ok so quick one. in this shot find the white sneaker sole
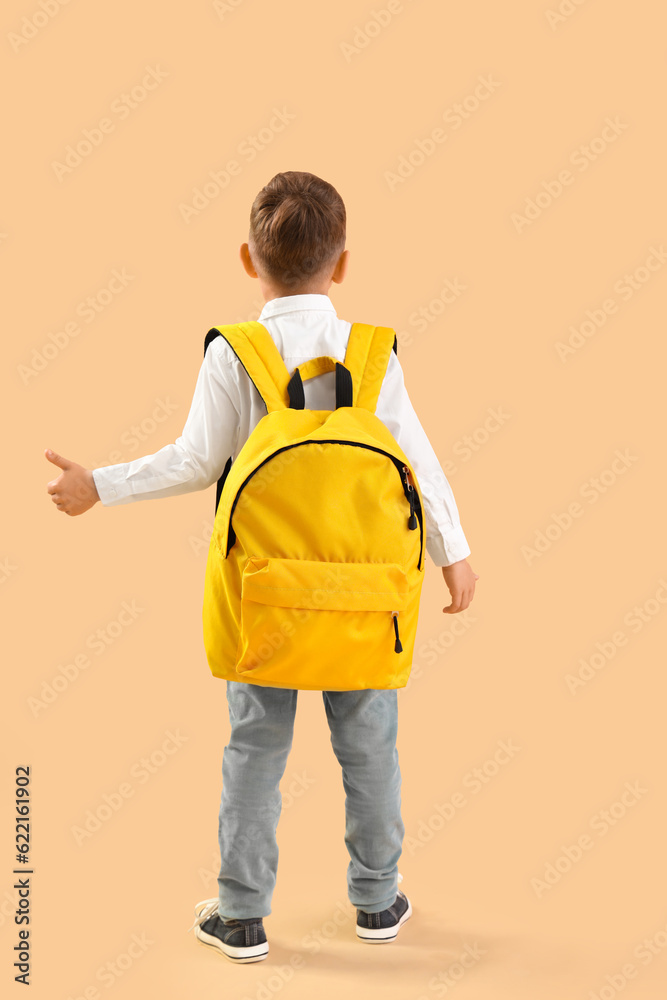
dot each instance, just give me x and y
(383, 935)
(253, 953)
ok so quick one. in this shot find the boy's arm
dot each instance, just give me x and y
(197, 458)
(193, 462)
(445, 540)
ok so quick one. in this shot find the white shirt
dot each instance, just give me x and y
(226, 406)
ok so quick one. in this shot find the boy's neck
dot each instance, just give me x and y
(268, 297)
(270, 292)
(318, 286)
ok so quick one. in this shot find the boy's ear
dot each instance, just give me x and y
(246, 260)
(340, 269)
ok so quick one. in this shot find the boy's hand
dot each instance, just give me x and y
(460, 579)
(74, 491)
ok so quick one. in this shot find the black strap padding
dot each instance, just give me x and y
(221, 482)
(395, 345)
(211, 335)
(343, 385)
(297, 399)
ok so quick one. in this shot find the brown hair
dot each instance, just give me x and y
(297, 228)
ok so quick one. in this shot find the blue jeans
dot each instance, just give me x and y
(363, 727)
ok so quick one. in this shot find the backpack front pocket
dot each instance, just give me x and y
(325, 625)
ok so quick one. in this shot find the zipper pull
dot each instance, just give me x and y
(412, 520)
(397, 645)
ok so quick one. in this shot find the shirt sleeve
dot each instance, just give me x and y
(445, 540)
(197, 458)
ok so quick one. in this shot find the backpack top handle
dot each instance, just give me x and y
(317, 366)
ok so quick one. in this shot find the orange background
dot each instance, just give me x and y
(499, 671)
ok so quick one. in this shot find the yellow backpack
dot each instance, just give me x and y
(316, 559)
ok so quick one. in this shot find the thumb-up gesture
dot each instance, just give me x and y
(74, 491)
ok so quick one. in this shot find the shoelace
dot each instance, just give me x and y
(210, 906)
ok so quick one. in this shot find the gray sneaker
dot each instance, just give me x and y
(379, 928)
(240, 940)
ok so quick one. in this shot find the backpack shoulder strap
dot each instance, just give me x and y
(367, 357)
(256, 350)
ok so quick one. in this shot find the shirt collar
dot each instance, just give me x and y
(297, 303)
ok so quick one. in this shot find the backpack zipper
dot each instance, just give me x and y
(410, 492)
(412, 520)
(397, 645)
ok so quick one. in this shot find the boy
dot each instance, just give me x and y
(296, 249)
